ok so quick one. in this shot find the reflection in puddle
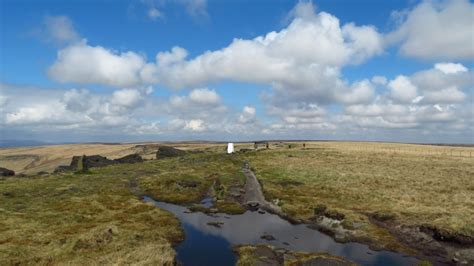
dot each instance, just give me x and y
(209, 245)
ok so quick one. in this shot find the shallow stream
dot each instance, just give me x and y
(206, 244)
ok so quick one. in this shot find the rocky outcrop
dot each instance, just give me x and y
(447, 236)
(95, 161)
(166, 151)
(84, 162)
(131, 158)
(6, 172)
(63, 169)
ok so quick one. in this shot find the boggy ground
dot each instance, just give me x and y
(264, 255)
(82, 219)
(385, 197)
(97, 218)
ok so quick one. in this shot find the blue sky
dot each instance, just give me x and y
(351, 70)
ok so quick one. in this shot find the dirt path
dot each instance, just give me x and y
(253, 196)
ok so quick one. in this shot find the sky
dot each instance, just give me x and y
(137, 70)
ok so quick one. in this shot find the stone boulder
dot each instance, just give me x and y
(62, 169)
(166, 151)
(131, 158)
(83, 163)
(6, 172)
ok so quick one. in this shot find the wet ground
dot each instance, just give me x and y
(209, 238)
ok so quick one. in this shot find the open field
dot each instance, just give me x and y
(64, 218)
(82, 219)
(408, 187)
(31, 160)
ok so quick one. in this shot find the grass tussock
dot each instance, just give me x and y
(189, 179)
(267, 255)
(411, 188)
(82, 219)
(96, 217)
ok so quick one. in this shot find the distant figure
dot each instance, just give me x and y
(255, 146)
(304, 145)
(267, 145)
(230, 148)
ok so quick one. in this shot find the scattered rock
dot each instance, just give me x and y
(84, 162)
(263, 251)
(166, 151)
(6, 172)
(268, 255)
(261, 212)
(42, 173)
(245, 150)
(322, 210)
(253, 204)
(286, 243)
(383, 216)
(131, 158)
(267, 237)
(447, 236)
(63, 168)
(334, 215)
(215, 224)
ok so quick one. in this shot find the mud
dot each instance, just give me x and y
(438, 246)
(423, 239)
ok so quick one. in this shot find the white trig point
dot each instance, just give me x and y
(230, 147)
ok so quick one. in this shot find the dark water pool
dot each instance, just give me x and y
(209, 245)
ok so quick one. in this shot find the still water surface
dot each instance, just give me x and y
(209, 245)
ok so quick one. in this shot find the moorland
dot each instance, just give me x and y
(415, 199)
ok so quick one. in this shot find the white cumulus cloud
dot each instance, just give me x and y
(437, 30)
(81, 63)
(402, 89)
(450, 68)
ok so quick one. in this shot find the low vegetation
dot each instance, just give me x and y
(408, 188)
(98, 217)
(268, 255)
(82, 219)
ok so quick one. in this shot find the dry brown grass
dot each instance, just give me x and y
(416, 187)
(82, 219)
(31, 160)
(250, 256)
(95, 219)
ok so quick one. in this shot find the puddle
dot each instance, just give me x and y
(205, 244)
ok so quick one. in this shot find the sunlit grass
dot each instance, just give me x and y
(414, 188)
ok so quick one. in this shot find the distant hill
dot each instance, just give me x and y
(10, 143)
